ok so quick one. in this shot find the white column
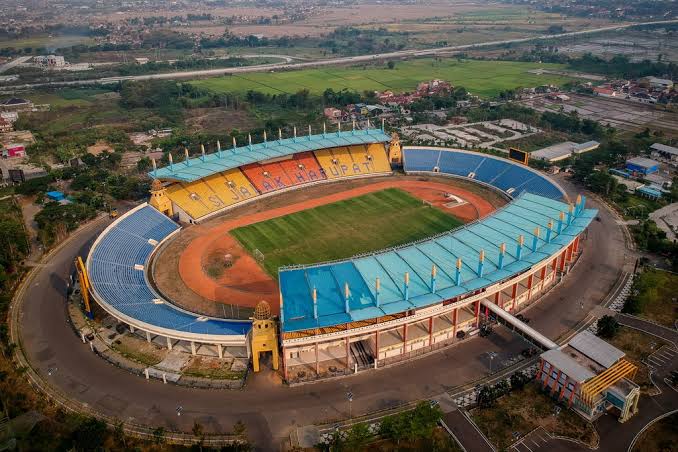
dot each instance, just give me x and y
(220, 350)
(193, 348)
(169, 344)
(148, 336)
(131, 329)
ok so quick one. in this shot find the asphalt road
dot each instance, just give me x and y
(332, 61)
(269, 409)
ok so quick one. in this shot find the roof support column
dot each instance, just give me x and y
(169, 344)
(148, 336)
(530, 280)
(193, 350)
(220, 351)
(284, 353)
(477, 313)
(347, 346)
(131, 329)
(376, 348)
(317, 363)
(430, 331)
(404, 338)
(455, 318)
(514, 294)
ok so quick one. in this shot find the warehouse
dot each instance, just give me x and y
(642, 165)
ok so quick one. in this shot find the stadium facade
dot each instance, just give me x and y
(357, 313)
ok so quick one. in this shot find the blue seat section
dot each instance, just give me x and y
(501, 173)
(490, 168)
(520, 217)
(124, 288)
(424, 160)
(459, 163)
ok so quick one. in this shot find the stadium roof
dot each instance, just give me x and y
(204, 166)
(520, 217)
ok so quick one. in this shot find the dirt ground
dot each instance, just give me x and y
(234, 292)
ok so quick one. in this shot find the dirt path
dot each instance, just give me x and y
(245, 283)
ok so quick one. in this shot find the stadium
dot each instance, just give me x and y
(365, 253)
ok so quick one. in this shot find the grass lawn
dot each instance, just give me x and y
(637, 346)
(523, 411)
(661, 436)
(637, 207)
(483, 78)
(656, 291)
(138, 350)
(46, 41)
(205, 367)
(343, 229)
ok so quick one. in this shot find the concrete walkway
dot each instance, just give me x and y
(465, 431)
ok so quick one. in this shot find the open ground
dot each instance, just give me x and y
(482, 78)
(238, 289)
(622, 114)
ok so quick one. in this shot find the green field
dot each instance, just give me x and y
(343, 229)
(482, 78)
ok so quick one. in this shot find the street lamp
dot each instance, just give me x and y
(349, 396)
(491, 355)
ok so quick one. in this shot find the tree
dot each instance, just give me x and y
(159, 435)
(391, 64)
(239, 429)
(607, 327)
(394, 427)
(358, 436)
(90, 435)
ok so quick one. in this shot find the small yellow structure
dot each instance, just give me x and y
(264, 335)
(159, 198)
(395, 152)
(84, 285)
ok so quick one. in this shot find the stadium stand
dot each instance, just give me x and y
(116, 268)
(200, 167)
(211, 194)
(286, 172)
(346, 290)
(505, 175)
(231, 186)
(196, 199)
(348, 161)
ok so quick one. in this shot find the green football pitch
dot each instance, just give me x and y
(343, 229)
(482, 78)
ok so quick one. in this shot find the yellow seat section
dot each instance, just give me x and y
(231, 186)
(189, 201)
(325, 158)
(379, 157)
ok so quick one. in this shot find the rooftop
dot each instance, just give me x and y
(359, 274)
(595, 348)
(664, 148)
(200, 167)
(563, 150)
(570, 367)
(642, 161)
